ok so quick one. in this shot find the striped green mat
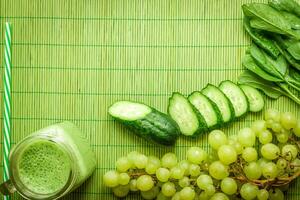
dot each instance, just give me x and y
(72, 59)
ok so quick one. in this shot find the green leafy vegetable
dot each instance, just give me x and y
(264, 17)
(272, 90)
(276, 68)
(282, 48)
(261, 40)
(286, 5)
(249, 63)
(294, 50)
(293, 19)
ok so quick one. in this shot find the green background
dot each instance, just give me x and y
(72, 59)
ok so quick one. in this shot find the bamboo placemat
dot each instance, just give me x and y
(72, 59)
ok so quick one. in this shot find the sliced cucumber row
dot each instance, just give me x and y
(213, 106)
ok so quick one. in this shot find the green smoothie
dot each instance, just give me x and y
(44, 167)
(52, 161)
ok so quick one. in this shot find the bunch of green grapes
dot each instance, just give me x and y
(257, 163)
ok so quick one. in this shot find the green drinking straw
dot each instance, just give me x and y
(7, 103)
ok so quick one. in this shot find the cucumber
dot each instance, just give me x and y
(255, 99)
(207, 109)
(189, 120)
(146, 121)
(236, 96)
(219, 98)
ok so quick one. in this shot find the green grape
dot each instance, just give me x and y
(217, 138)
(151, 168)
(168, 189)
(269, 123)
(296, 130)
(283, 136)
(269, 170)
(177, 173)
(121, 191)
(184, 164)
(163, 174)
(141, 161)
(194, 170)
(249, 154)
(249, 191)
(265, 137)
(184, 182)
(152, 165)
(219, 196)
(123, 164)
(124, 179)
(229, 186)
(273, 115)
(276, 127)
(289, 151)
(276, 194)
(176, 196)
(253, 171)
(204, 180)
(259, 126)
(270, 151)
(203, 196)
(132, 156)
(262, 161)
(169, 160)
(218, 170)
(210, 189)
(288, 120)
(150, 194)
(246, 137)
(196, 155)
(160, 196)
(263, 194)
(281, 163)
(111, 178)
(144, 183)
(132, 185)
(227, 154)
(236, 145)
(187, 193)
(295, 165)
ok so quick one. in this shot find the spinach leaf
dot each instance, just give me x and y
(269, 88)
(265, 62)
(261, 40)
(293, 19)
(286, 5)
(264, 17)
(295, 74)
(294, 50)
(249, 63)
(282, 48)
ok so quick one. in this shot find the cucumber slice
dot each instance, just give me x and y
(189, 120)
(219, 98)
(207, 109)
(236, 96)
(146, 121)
(255, 99)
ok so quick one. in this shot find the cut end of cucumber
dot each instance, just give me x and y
(236, 96)
(256, 100)
(206, 108)
(182, 112)
(222, 102)
(129, 111)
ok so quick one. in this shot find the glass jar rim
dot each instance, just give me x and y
(25, 191)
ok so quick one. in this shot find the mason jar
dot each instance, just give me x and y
(50, 163)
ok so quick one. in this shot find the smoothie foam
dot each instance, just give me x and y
(44, 167)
